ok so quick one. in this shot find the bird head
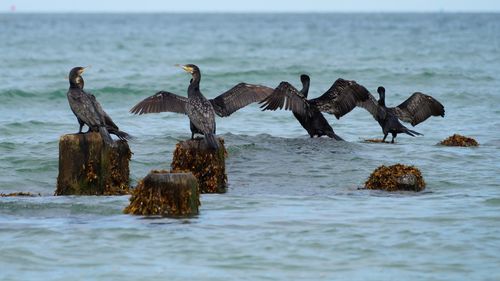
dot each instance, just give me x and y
(193, 69)
(76, 71)
(381, 91)
(190, 68)
(305, 84)
(75, 76)
(304, 78)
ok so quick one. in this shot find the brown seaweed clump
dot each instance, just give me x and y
(376, 141)
(88, 167)
(165, 194)
(396, 177)
(207, 165)
(459, 140)
(20, 194)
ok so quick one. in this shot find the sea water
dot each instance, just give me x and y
(294, 209)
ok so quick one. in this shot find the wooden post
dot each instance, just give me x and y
(207, 165)
(88, 167)
(165, 194)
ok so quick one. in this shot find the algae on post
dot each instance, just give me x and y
(207, 165)
(88, 167)
(165, 194)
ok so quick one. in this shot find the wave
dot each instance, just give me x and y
(17, 96)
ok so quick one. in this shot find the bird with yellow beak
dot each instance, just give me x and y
(200, 110)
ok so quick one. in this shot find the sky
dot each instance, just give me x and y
(250, 6)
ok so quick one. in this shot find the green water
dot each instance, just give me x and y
(293, 210)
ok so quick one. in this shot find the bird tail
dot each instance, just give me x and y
(412, 133)
(212, 141)
(120, 134)
(334, 136)
(106, 137)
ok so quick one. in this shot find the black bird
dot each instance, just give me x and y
(201, 111)
(339, 100)
(416, 109)
(88, 111)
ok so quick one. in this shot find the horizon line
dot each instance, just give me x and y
(258, 12)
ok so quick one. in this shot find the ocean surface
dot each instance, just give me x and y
(294, 209)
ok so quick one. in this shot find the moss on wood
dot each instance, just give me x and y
(165, 194)
(88, 167)
(206, 164)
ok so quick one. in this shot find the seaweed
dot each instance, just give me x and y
(376, 141)
(396, 177)
(459, 140)
(207, 165)
(165, 194)
(20, 194)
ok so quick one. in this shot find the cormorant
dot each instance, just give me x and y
(340, 99)
(416, 109)
(201, 111)
(88, 111)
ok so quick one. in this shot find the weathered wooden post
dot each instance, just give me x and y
(395, 178)
(88, 167)
(165, 194)
(207, 165)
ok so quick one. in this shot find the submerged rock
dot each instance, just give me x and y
(396, 177)
(165, 194)
(88, 167)
(20, 194)
(376, 141)
(206, 164)
(459, 140)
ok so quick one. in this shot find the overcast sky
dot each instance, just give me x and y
(250, 6)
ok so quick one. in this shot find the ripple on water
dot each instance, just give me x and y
(293, 209)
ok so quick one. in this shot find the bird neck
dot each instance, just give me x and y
(194, 86)
(76, 83)
(305, 88)
(381, 100)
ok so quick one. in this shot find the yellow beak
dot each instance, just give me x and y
(186, 68)
(85, 68)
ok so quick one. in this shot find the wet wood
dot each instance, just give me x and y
(88, 167)
(206, 164)
(165, 194)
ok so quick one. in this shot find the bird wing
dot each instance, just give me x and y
(161, 102)
(287, 96)
(342, 97)
(107, 119)
(371, 105)
(417, 108)
(83, 107)
(238, 97)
